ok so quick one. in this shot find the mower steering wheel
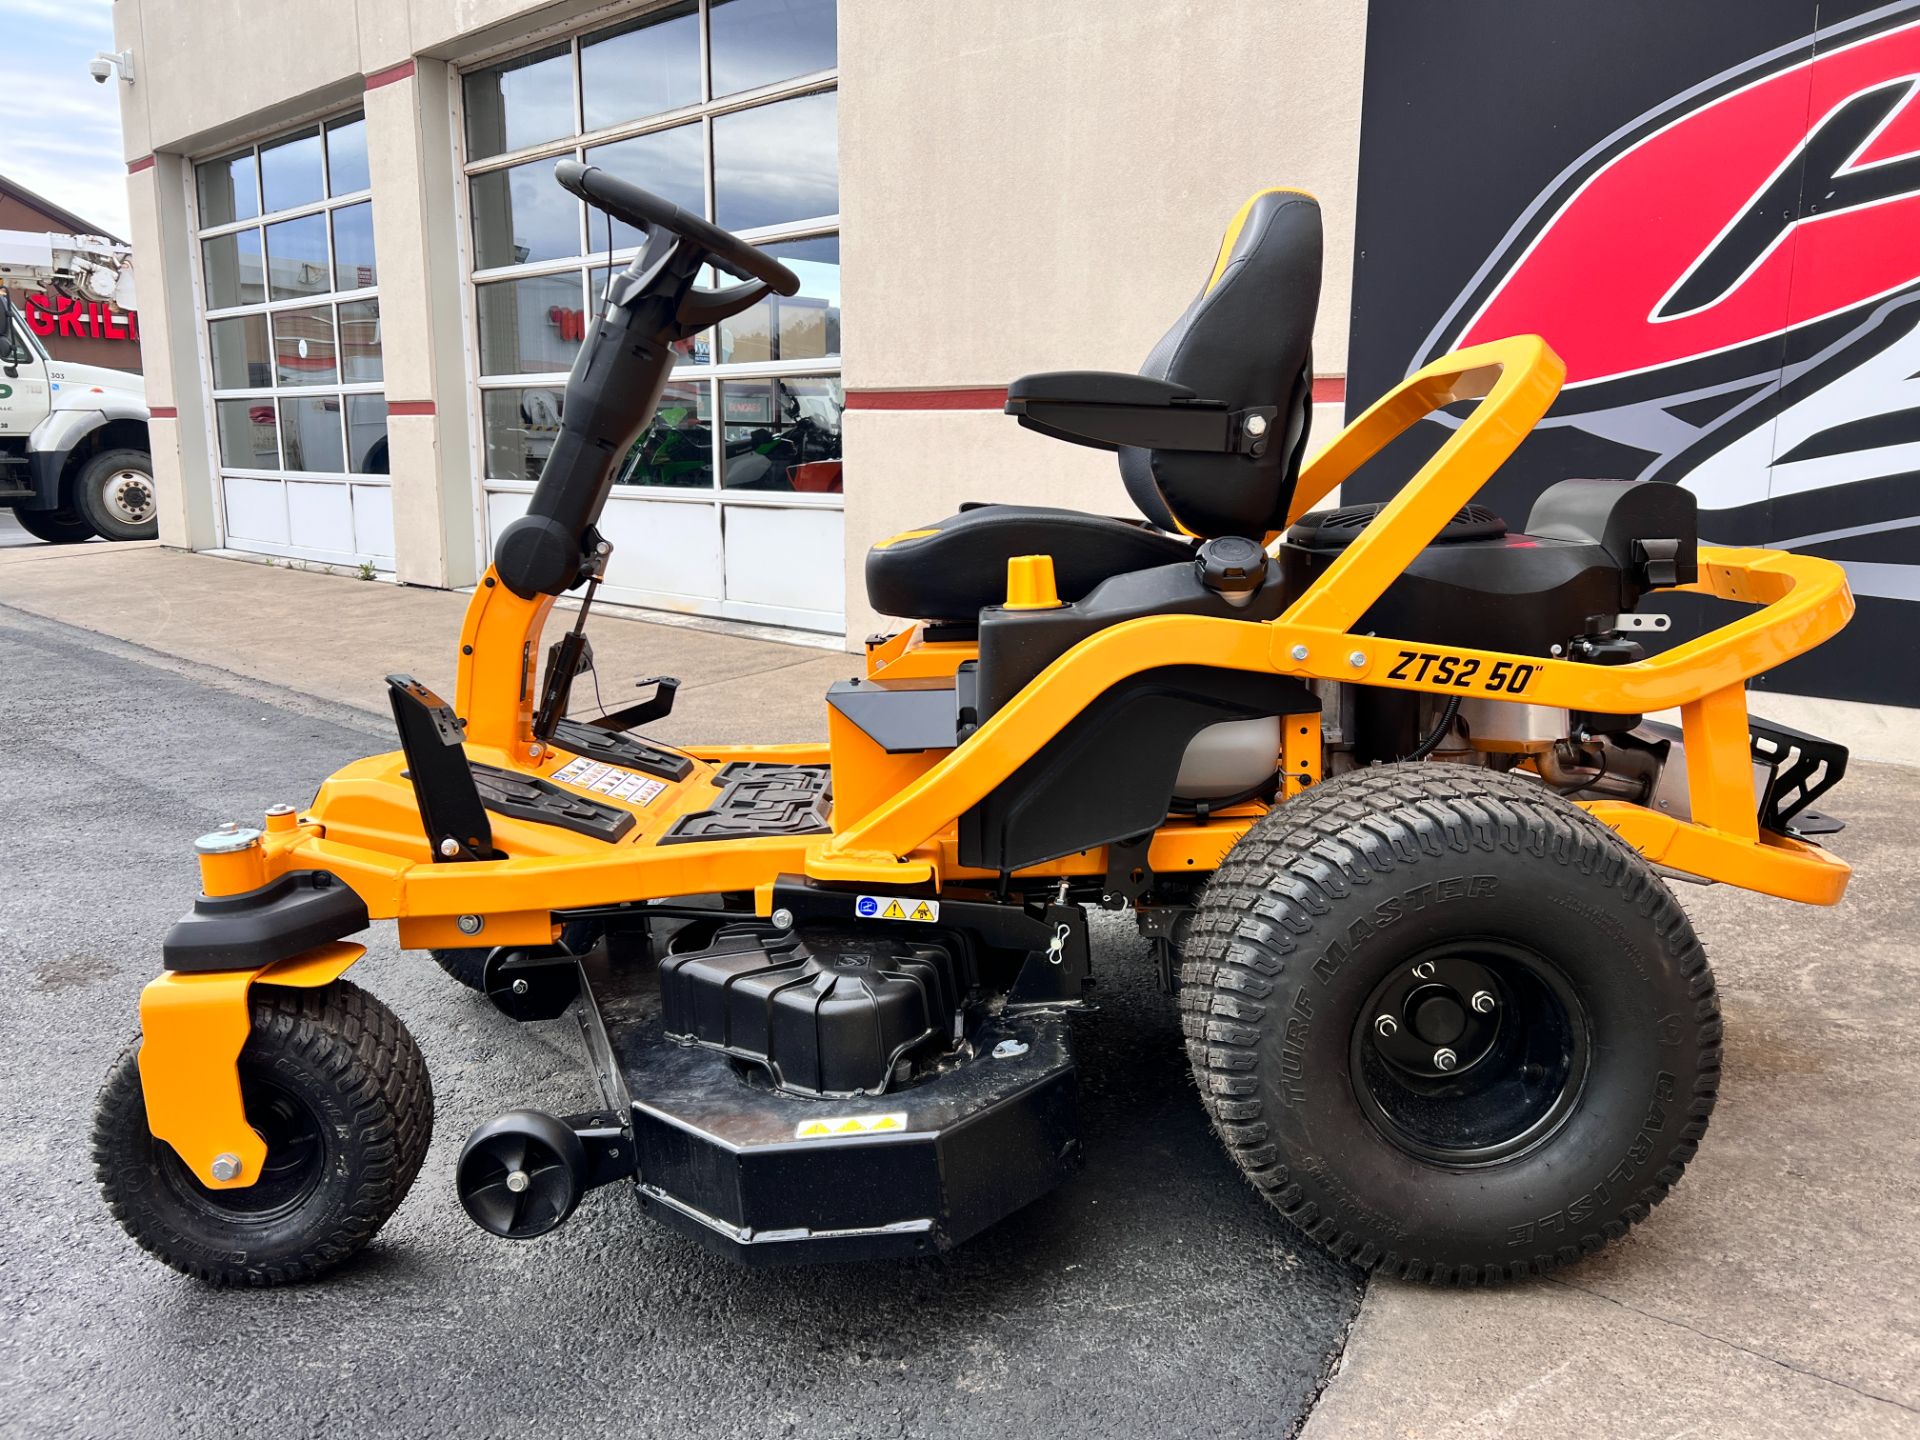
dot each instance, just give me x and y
(643, 209)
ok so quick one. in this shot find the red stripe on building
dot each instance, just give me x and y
(163, 412)
(389, 76)
(410, 407)
(1327, 390)
(990, 399)
(145, 162)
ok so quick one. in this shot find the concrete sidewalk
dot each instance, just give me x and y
(339, 637)
(1774, 1294)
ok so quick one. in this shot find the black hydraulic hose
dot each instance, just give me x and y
(1426, 747)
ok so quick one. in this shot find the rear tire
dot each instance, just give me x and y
(1366, 1098)
(114, 493)
(64, 526)
(337, 1088)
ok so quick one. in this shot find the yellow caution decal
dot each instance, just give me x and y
(896, 907)
(830, 1126)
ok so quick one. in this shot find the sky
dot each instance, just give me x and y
(59, 130)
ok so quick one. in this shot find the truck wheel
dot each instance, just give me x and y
(114, 493)
(337, 1088)
(1449, 1024)
(57, 527)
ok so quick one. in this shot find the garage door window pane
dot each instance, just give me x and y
(670, 163)
(297, 258)
(776, 163)
(303, 347)
(530, 326)
(782, 435)
(677, 449)
(233, 270)
(239, 348)
(228, 189)
(360, 341)
(290, 172)
(641, 69)
(249, 440)
(353, 265)
(520, 427)
(310, 430)
(520, 215)
(367, 434)
(756, 42)
(791, 327)
(520, 102)
(347, 157)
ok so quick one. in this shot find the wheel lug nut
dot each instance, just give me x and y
(1482, 1002)
(1445, 1058)
(1386, 1025)
(1424, 970)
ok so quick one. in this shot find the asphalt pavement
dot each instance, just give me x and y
(1153, 1295)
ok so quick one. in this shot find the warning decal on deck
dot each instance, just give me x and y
(825, 1129)
(600, 778)
(896, 907)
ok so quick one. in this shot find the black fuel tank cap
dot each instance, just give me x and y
(1232, 566)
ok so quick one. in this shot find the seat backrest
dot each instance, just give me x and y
(1246, 340)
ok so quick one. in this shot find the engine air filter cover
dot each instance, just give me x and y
(824, 1012)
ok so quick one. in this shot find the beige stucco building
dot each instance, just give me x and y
(361, 288)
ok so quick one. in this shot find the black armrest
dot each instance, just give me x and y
(1095, 387)
(1106, 410)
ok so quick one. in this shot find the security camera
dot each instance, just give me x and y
(102, 65)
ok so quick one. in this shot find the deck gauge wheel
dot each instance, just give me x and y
(521, 1174)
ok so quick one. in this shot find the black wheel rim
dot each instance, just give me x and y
(296, 1159)
(1470, 1053)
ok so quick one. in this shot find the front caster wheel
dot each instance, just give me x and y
(337, 1088)
(1449, 1024)
(467, 965)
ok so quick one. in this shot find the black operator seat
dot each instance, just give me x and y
(1210, 435)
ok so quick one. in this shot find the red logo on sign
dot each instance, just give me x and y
(1790, 199)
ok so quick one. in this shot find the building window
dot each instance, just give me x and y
(290, 290)
(726, 108)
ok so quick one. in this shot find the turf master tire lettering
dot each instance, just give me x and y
(1572, 1095)
(337, 1087)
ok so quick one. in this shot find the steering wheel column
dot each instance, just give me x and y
(616, 381)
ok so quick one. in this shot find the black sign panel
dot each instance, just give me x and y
(1712, 213)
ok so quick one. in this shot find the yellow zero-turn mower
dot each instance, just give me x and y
(1375, 781)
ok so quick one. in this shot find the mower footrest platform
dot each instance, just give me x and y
(527, 797)
(760, 799)
(578, 738)
(767, 1177)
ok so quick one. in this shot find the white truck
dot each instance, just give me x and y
(74, 456)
